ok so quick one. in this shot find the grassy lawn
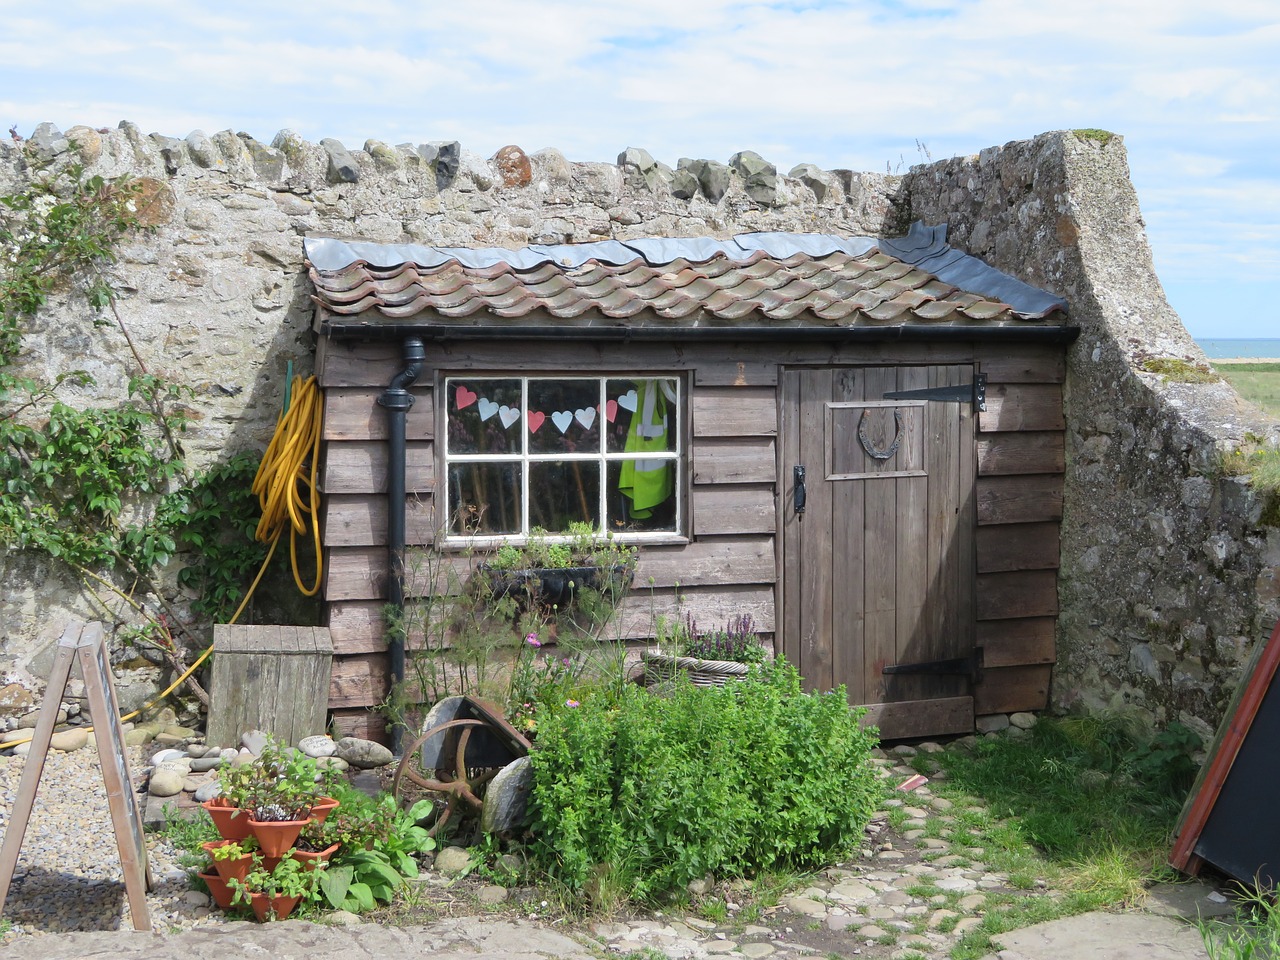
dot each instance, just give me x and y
(1258, 382)
(1078, 814)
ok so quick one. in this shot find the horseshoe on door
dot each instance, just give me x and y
(872, 450)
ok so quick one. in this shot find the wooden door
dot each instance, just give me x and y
(879, 568)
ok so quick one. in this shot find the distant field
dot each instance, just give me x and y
(1259, 382)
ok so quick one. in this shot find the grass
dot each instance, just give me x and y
(1077, 815)
(1257, 382)
(1254, 934)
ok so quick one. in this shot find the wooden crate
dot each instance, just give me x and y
(269, 678)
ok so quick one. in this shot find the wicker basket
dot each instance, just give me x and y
(703, 673)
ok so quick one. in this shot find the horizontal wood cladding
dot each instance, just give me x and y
(352, 520)
(358, 627)
(375, 363)
(353, 413)
(360, 466)
(359, 722)
(1030, 498)
(721, 510)
(360, 680)
(734, 412)
(1018, 546)
(1028, 593)
(1022, 406)
(360, 573)
(1002, 454)
(1011, 689)
(734, 460)
(1011, 643)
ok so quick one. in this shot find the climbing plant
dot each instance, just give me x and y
(104, 490)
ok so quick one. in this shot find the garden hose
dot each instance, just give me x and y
(279, 484)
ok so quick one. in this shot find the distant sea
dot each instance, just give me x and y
(1225, 349)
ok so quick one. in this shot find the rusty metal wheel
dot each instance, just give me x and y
(458, 782)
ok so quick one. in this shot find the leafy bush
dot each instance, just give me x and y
(640, 793)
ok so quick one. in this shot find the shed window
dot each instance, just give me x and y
(544, 452)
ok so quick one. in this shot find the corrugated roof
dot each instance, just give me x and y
(779, 278)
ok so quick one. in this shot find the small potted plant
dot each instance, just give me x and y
(275, 892)
(285, 787)
(313, 848)
(233, 859)
(228, 809)
(709, 658)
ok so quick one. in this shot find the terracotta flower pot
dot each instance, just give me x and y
(276, 836)
(218, 889)
(231, 868)
(232, 822)
(310, 860)
(323, 807)
(264, 906)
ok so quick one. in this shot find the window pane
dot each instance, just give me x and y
(484, 416)
(564, 416)
(642, 415)
(561, 493)
(484, 498)
(642, 495)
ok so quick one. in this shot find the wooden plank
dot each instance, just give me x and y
(921, 718)
(709, 606)
(733, 509)
(789, 522)
(1016, 407)
(848, 566)
(1029, 498)
(359, 680)
(915, 642)
(359, 722)
(817, 636)
(734, 412)
(353, 413)
(736, 373)
(880, 569)
(966, 528)
(1011, 689)
(358, 521)
(1011, 363)
(708, 562)
(1000, 454)
(1031, 593)
(736, 460)
(1016, 643)
(1018, 546)
(360, 466)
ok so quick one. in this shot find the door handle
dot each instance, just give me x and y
(799, 493)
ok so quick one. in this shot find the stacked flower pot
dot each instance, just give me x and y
(264, 807)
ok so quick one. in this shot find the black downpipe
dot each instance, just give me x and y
(397, 400)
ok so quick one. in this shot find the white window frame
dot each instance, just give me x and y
(448, 385)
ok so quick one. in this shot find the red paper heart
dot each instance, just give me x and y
(464, 398)
(611, 410)
(536, 419)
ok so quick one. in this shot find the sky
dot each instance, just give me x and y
(1193, 88)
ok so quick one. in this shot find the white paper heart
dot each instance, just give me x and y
(508, 415)
(562, 419)
(628, 401)
(487, 408)
(586, 417)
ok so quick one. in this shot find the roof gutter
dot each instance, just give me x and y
(1060, 334)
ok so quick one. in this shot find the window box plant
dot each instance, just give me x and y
(709, 658)
(549, 572)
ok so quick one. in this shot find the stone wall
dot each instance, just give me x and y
(1167, 576)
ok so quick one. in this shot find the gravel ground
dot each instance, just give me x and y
(68, 876)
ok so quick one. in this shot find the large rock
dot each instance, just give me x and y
(506, 801)
(342, 165)
(69, 740)
(317, 747)
(453, 861)
(365, 754)
(513, 166)
(165, 783)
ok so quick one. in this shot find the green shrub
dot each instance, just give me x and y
(642, 793)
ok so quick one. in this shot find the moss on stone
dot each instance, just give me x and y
(1180, 371)
(1102, 137)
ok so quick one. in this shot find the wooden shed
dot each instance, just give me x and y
(858, 442)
